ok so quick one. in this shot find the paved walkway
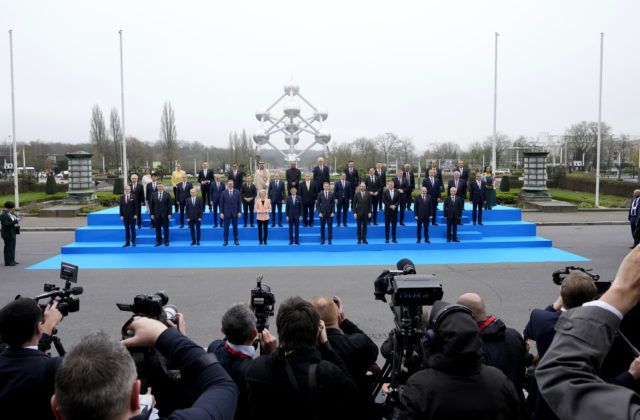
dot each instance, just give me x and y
(599, 217)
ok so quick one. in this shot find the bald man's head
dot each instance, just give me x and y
(327, 309)
(474, 302)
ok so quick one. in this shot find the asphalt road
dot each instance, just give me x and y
(510, 290)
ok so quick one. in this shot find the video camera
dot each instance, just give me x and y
(558, 277)
(407, 288)
(262, 302)
(66, 297)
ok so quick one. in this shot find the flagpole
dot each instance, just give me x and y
(599, 122)
(13, 126)
(124, 138)
(495, 104)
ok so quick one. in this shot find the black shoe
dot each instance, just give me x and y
(394, 241)
(375, 223)
(321, 242)
(133, 244)
(260, 243)
(244, 225)
(386, 241)
(474, 223)
(310, 224)
(338, 225)
(290, 242)
(10, 265)
(427, 241)
(237, 243)
(192, 243)
(265, 242)
(273, 225)
(364, 241)
(418, 241)
(252, 226)
(455, 240)
(280, 225)
(297, 242)
(329, 241)
(198, 243)
(215, 226)
(157, 244)
(225, 244)
(480, 223)
(166, 244)
(402, 224)
(181, 226)
(345, 225)
(139, 226)
(125, 245)
(434, 224)
(448, 240)
(359, 241)
(305, 225)
(459, 223)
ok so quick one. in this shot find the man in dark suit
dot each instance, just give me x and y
(576, 289)
(128, 210)
(309, 192)
(437, 173)
(294, 215)
(634, 217)
(477, 196)
(205, 176)
(422, 213)
(382, 178)
(138, 192)
(152, 188)
(464, 172)
(354, 179)
(183, 190)
(217, 187)
(161, 214)
(391, 198)
(230, 211)
(236, 175)
(321, 173)
(433, 190)
(27, 374)
(411, 184)
(326, 211)
(453, 206)
(195, 207)
(461, 189)
(276, 195)
(293, 176)
(362, 212)
(372, 183)
(342, 194)
(248, 193)
(401, 186)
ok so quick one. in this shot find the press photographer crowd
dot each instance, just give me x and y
(442, 360)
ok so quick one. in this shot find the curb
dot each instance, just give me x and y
(604, 223)
(48, 229)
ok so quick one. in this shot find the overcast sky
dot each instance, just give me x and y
(422, 69)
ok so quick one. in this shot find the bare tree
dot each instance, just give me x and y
(387, 143)
(98, 132)
(365, 152)
(406, 149)
(169, 134)
(503, 142)
(582, 138)
(116, 134)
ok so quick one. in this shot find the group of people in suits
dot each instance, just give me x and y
(259, 200)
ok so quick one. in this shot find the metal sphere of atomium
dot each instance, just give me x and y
(292, 139)
(321, 114)
(291, 88)
(323, 137)
(292, 127)
(291, 109)
(262, 115)
(260, 137)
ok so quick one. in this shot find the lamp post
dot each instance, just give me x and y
(495, 104)
(124, 138)
(599, 123)
(13, 125)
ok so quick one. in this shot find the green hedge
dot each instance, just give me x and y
(6, 187)
(506, 198)
(609, 187)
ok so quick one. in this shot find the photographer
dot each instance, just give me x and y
(304, 378)
(97, 379)
(236, 351)
(456, 369)
(568, 373)
(357, 350)
(27, 373)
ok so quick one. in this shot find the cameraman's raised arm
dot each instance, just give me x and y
(216, 392)
(52, 318)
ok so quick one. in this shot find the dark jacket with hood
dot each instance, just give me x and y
(504, 349)
(457, 385)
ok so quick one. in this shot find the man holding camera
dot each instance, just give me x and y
(235, 353)
(303, 378)
(26, 372)
(99, 376)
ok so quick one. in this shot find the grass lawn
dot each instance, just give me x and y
(30, 197)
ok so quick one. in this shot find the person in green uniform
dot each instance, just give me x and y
(9, 221)
(491, 188)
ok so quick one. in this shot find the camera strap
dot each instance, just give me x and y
(313, 384)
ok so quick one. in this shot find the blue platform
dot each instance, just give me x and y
(504, 237)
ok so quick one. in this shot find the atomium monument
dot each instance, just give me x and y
(292, 123)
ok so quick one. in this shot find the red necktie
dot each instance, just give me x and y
(127, 199)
